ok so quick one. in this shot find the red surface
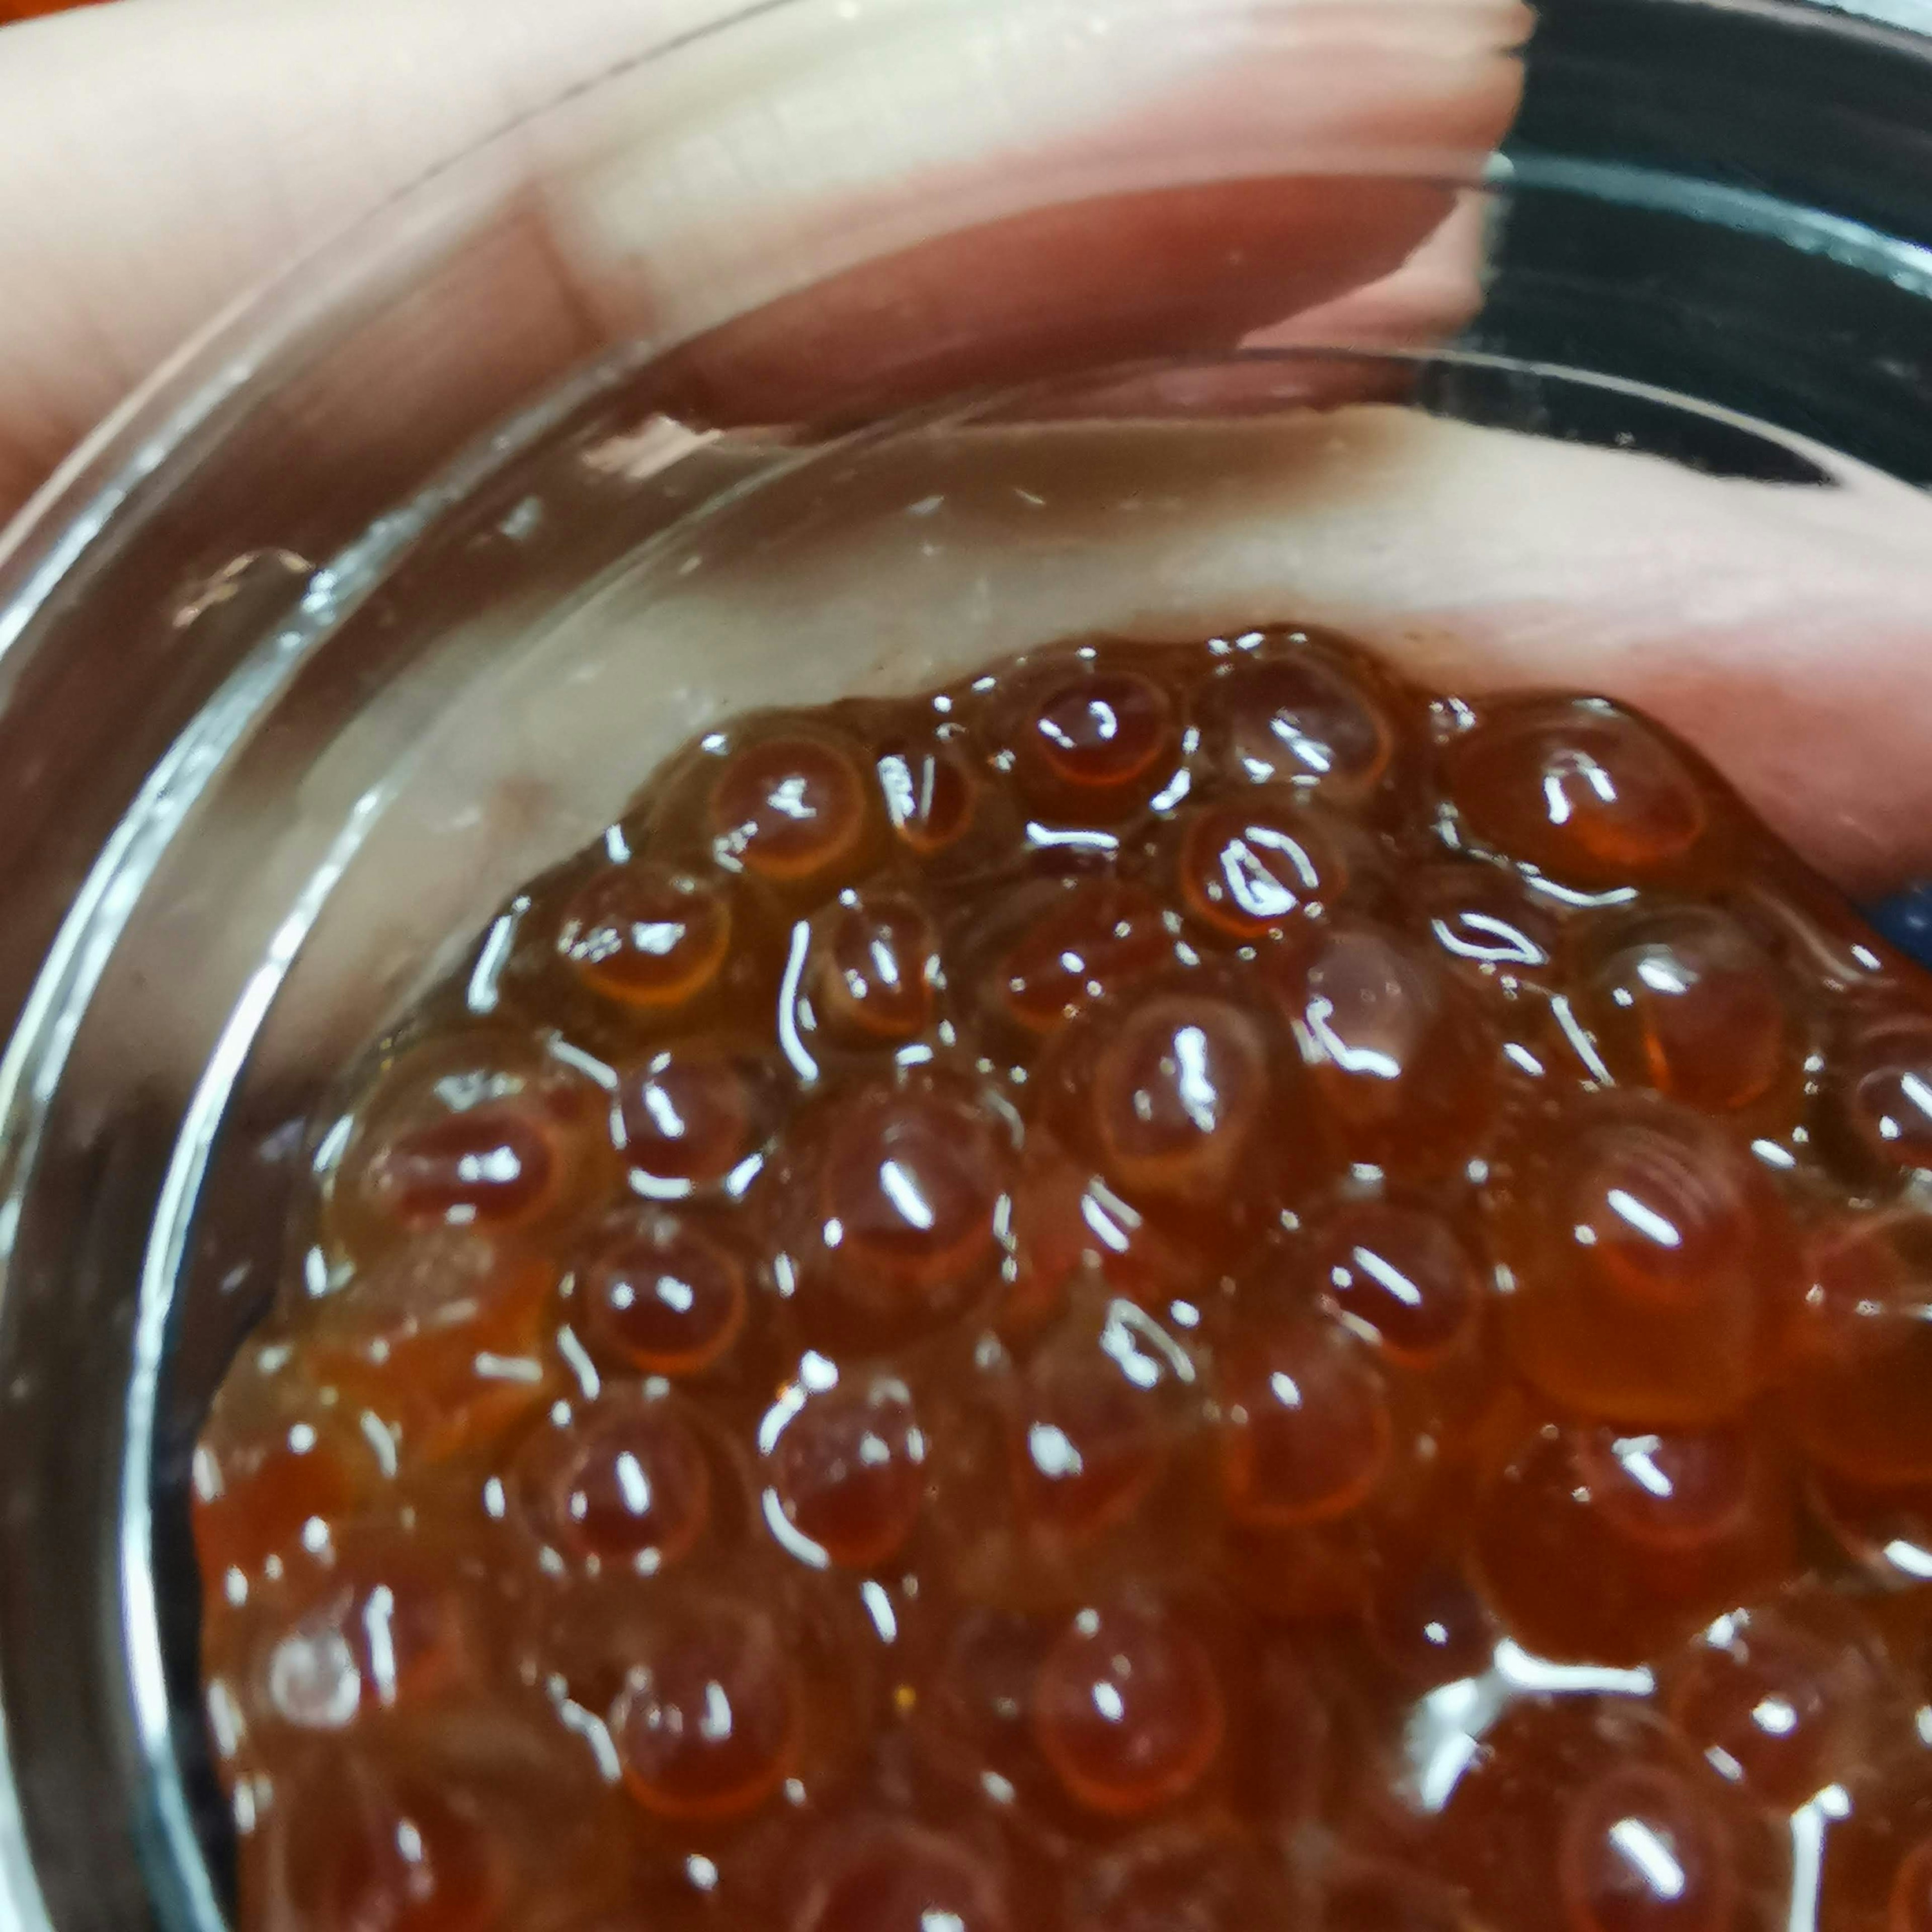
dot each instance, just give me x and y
(29, 9)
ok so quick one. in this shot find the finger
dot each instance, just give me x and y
(701, 202)
(1433, 292)
(160, 159)
(1781, 629)
(686, 195)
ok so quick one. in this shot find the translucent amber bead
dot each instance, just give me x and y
(1090, 940)
(1428, 1625)
(1586, 1813)
(1488, 930)
(1250, 865)
(1860, 1357)
(1642, 1852)
(1300, 717)
(493, 1166)
(393, 1623)
(261, 1481)
(1580, 790)
(1070, 1226)
(847, 1467)
(1779, 1697)
(1825, 943)
(898, 1876)
(913, 1181)
(708, 1720)
(445, 1338)
(1307, 1431)
(1403, 1274)
(1404, 1064)
(1884, 1528)
(1606, 1548)
(646, 936)
(1180, 1090)
(1650, 1264)
(792, 808)
(873, 970)
(1127, 1710)
(973, 1710)
(932, 793)
(480, 1131)
(628, 1484)
(1879, 1085)
(1687, 1003)
(1093, 741)
(1098, 1413)
(663, 1293)
(690, 1116)
(353, 1844)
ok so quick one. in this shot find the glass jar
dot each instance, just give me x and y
(835, 345)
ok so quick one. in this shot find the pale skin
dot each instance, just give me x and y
(159, 159)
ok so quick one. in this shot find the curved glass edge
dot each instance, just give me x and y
(179, 1872)
(181, 1883)
(105, 474)
(108, 478)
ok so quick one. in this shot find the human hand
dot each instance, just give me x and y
(159, 160)
(149, 181)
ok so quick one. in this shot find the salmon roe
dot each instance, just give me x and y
(1179, 1288)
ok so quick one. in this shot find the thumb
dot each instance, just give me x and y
(145, 185)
